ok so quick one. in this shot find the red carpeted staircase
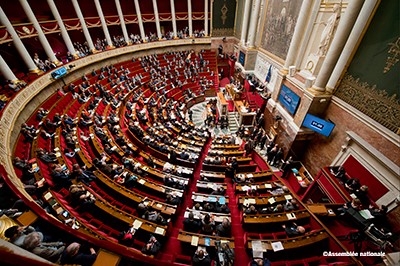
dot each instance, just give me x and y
(173, 245)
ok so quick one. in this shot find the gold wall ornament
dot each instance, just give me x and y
(393, 55)
(220, 32)
(373, 102)
(224, 11)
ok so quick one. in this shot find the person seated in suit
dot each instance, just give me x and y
(339, 172)
(260, 262)
(362, 195)
(224, 229)
(207, 225)
(354, 205)
(190, 224)
(48, 250)
(73, 254)
(251, 210)
(352, 184)
(293, 230)
(152, 247)
(201, 258)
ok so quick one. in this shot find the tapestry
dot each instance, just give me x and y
(280, 21)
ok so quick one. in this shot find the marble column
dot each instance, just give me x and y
(83, 24)
(157, 19)
(173, 18)
(139, 17)
(245, 21)
(351, 43)
(342, 33)
(189, 2)
(103, 23)
(122, 21)
(298, 33)
(307, 34)
(42, 38)
(18, 43)
(253, 23)
(206, 17)
(6, 70)
(64, 33)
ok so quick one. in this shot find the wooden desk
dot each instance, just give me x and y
(105, 257)
(199, 197)
(245, 118)
(260, 186)
(274, 217)
(293, 242)
(187, 237)
(27, 218)
(222, 104)
(262, 200)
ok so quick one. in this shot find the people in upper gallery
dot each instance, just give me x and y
(74, 254)
(17, 234)
(152, 247)
(41, 113)
(353, 206)
(80, 196)
(293, 230)
(201, 258)
(48, 250)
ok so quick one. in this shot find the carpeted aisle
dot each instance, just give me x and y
(173, 245)
(241, 256)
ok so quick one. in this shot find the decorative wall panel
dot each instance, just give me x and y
(371, 83)
(281, 17)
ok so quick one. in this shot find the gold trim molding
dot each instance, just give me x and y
(373, 102)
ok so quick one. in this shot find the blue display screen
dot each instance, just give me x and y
(242, 57)
(59, 73)
(289, 99)
(319, 125)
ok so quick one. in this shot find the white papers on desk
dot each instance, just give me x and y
(271, 200)
(195, 241)
(288, 197)
(277, 246)
(159, 231)
(249, 175)
(58, 154)
(158, 205)
(48, 196)
(257, 247)
(268, 186)
(254, 187)
(245, 188)
(142, 181)
(113, 148)
(198, 198)
(366, 214)
(353, 195)
(291, 216)
(136, 224)
(249, 201)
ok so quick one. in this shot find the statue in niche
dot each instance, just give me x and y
(329, 30)
(224, 11)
